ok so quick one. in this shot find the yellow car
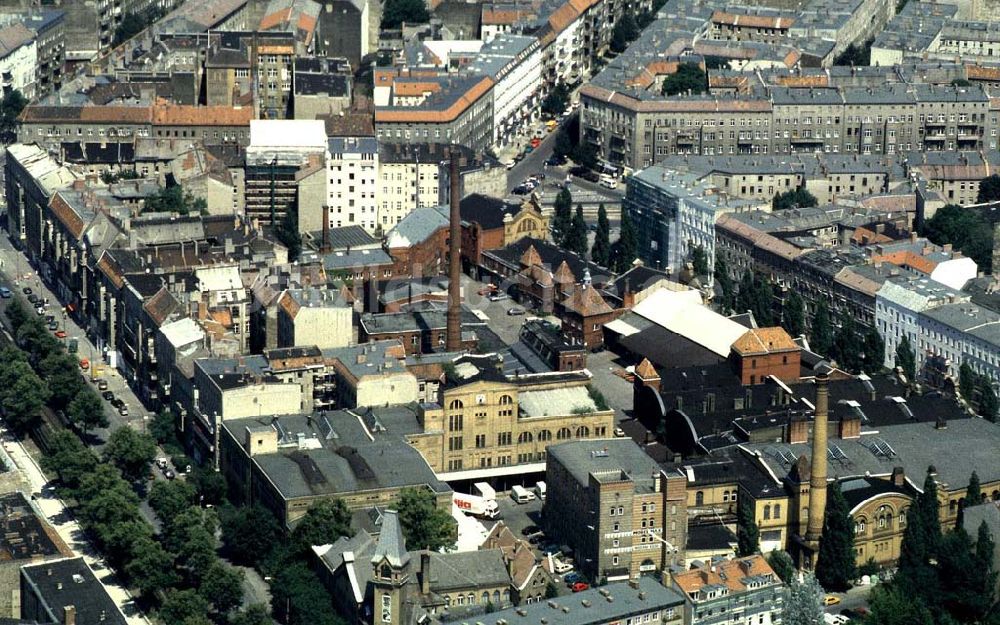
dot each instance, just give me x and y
(831, 600)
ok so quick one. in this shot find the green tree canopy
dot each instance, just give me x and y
(222, 586)
(699, 260)
(396, 12)
(892, 606)
(845, 346)
(794, 314)
(324, 522)
(425, 525)
(782, 564)
(62, 373)
(131, 452)
(576, 241)
(625, 32)
(131, 25)
(966, 591)
(987, 399)
(906, 359)
(249, 534)
(600, 251)
(255, 614)
(562, 217)
(152, 569)
(563, 145)
(835, 566)
(805, 602)
(22, 394)
(162, 427)
(966, 229)
(299, 598)
(625, 249)
(821, 339)
(747, 532)
(989, 189)
(858, 55)
(585, 155)
(86, 411)
(173, 199)
(68, 457)
(180, 605)
(689, 77)
(796, 198)
(169, 499)
(725, 287)
(10, 110)
(874, 348)
(556, 101)
(966, 381)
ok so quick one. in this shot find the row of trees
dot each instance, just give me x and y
(967, 230)
(978, 389)
(569, 231)
(41, 372)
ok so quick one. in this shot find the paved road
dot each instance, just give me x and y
(56, 512)
(854, 598)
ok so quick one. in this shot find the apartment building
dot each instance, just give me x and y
(353, 170)
(898, 305)
(732, 592)
(621, 514)
(515, 64)
(48, 26)
(456, 108)
(18, 59)
(314, 316)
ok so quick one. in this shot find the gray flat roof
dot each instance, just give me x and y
(581, 458)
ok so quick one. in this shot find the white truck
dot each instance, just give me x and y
(484, 504)
(521, 494)
(540, 490)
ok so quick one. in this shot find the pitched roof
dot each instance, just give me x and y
(732, 574)
(184, 115)
(586, 301)
(764, 341)
(563, 274)
(646, 370)
(391, 545)
(425, 115)
(530, 258)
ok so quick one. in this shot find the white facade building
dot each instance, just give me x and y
(963, 332)
(352, 172)
(407, 179)
(515, 64)
(898, 305)
(18, 59)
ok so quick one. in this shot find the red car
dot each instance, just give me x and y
(60, 334)
(580, 587)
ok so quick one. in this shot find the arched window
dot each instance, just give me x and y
(859, 526)
(472, 599)
(456, 404)
(725, 495)
(505, 400)
(447, 600)
(544, 435)
(486, 597)
(496, 598)
(767, 512)
(699, 498)
(582, 431)
(563, 433)
(461, 600)
(777, 510)
(524, 437)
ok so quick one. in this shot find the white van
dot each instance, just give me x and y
(521, 495)
(540, 490)
(608, 182)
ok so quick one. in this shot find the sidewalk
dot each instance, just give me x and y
(53, 509)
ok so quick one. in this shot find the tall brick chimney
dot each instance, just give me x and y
(817, 481)
(453, 339)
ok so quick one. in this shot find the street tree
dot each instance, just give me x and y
(805, 601)
(152, 569)
(874, 350)
(989, 189)
(162, 427)
(967, 380)
(180, 605)
(576, 241)
(724, 285)
(255, 614)
(299, 598)
(987, 399)
(425, 526)
(563, 144)
(966, 591)
(600, 252)
(69, 458)
(62, 373)
(890, 605)
(835, 565)
(625, 250)
(821, 340)
(86, 411)
(22, 395)
(562, 217)
(626, 31)
(222, 586)
(396, 12)
(169, 499)
(556, 101)
(845, 346)
(132, 452)
(906, 359)
(699, 260)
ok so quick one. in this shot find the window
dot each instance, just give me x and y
(480, 441)
(455, 422)
(614, 560)
(777, 510)
(699, 498)
(563, 434)
(544, 435)
(455, 443)
(767, 512)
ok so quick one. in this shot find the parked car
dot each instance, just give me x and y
(117, 403)
(108, 395)
(572, 578)
(530, 529)
(50, 318)
(536, 539)
(53, 326)
(555, 161)
(515, 311)
(169, 474)
(580, 586)
(26, 290)
(33, 299)
(84, 364)
(831, 600)
(102, 385)
(521, 190)
(5, 293)
(60, 334)
(535, 142)
(619, 432)
(489, 288)
(123, 410)
(497, 296)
